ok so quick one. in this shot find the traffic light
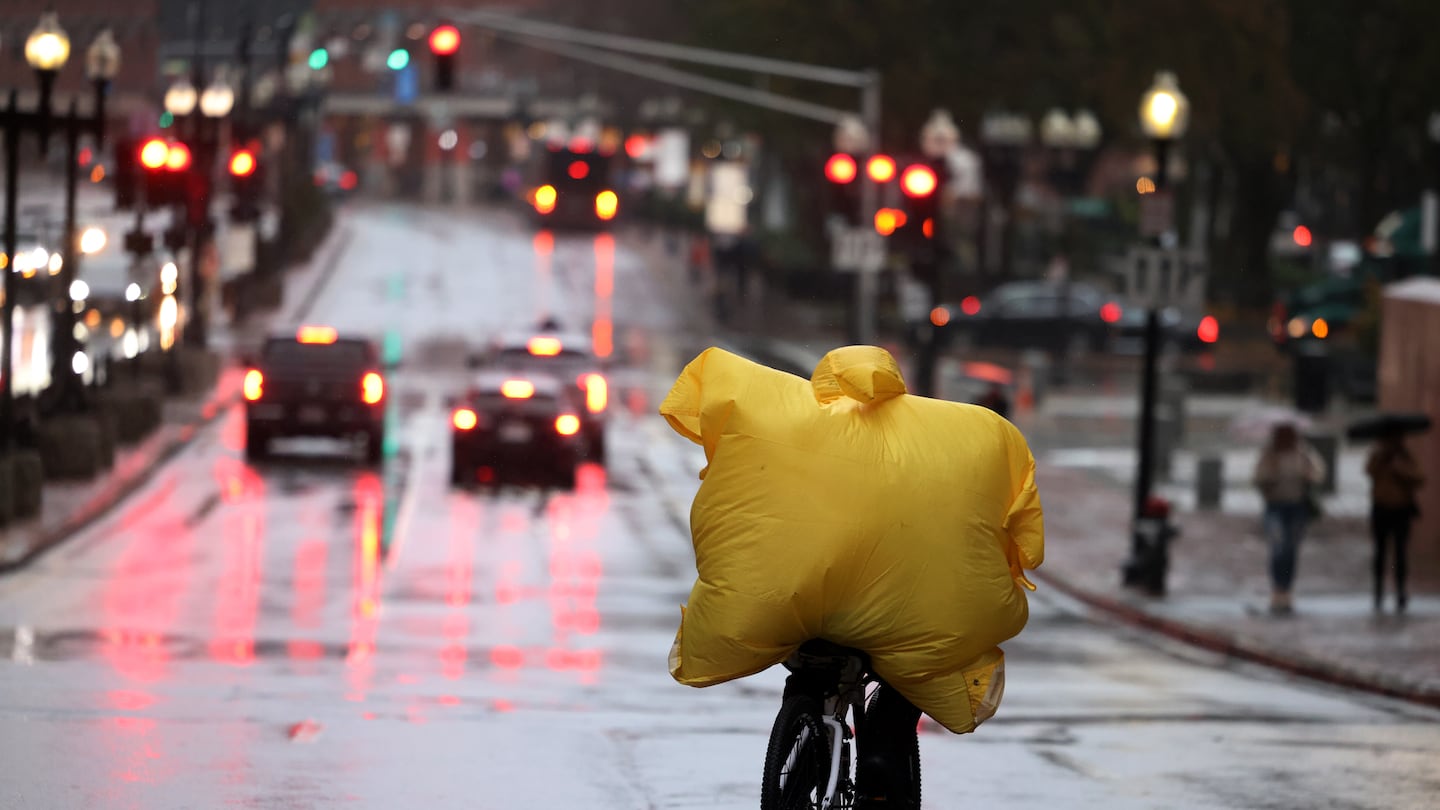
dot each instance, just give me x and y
(244, 169)
(166, 168)
(444, 42)
(399, 59)
(319, 58)
(920, 183)
(124, 174)
(842, 195)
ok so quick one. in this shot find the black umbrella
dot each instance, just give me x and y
(1387, 422)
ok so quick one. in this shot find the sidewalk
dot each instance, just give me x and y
(1218, 588)
(71, 505)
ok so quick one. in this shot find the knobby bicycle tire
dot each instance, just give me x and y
(912, 755)
(797, 730)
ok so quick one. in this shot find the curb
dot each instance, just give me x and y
(1302, 666)
(97, 507)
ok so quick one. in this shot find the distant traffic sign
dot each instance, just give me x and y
(857, 250)
(1165, 277)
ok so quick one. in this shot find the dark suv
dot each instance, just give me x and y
(315, 384)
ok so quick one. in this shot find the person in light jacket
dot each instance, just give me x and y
(1394, 478)
(1287, 471)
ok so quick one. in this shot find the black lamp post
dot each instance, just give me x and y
(1164, 115)
(102, 62)
(46, 50)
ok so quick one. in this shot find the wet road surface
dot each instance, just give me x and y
(308, 633)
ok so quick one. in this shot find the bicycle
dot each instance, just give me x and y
(809, 764)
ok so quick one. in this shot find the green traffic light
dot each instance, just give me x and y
(398, 59)
(319, 58)
(166, 119)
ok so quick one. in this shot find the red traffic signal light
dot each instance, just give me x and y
(242, 163)
(918, 181)
(880, 168)
(840, 168)
(153, 153)
(177, 158)
(445, 40)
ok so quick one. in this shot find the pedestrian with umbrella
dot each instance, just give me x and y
(1395, 477)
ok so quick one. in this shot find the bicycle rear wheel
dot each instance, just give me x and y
(797, 762)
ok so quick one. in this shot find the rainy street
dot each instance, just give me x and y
(306, 632)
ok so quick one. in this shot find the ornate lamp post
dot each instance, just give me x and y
(1164, 116)
(102, 62)
(47, 50)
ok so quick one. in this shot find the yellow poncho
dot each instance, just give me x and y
(843, 508)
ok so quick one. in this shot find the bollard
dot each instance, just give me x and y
(1328, 446)
(1209, 482)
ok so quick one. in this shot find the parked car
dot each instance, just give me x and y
(1070, 319)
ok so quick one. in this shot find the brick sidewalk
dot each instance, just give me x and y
(1218, 588)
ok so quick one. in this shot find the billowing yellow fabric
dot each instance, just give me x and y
(843, 508)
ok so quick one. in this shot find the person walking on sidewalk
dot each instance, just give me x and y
(1394, 478)
(1287, 471)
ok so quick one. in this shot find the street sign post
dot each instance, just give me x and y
(1160, 277)
(857, 250)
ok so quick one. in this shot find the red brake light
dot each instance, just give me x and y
(242, 163)
(254, 385)
(1209, 329)
(597, 392)
(464, 419)
(317, 334)
(1111, 312)
(579, 170)
(567, 424)
(517, 389)
(153, 153)
(970, 305)
(372, 388)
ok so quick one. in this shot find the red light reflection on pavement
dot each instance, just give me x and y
(603, 330)
(544, 244)
(311, 560)
(238, 599)
(145, 589)
(365, 614)
(459, 574)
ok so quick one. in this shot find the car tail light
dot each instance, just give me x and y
(517, 389)
(545, 198)
(372, 388)
(317, 334)
(597, 392)
(1111, 312)
(606, 205)
(544, 346)
(1209, 329)
(970, 305)
(567, 424)
(464, 419)
(254, 384)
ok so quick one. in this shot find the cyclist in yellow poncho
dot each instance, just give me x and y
(846, 509)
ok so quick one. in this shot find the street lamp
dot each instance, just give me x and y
(217, 100)
(180, 99)
(47, 49)
(1164, 116)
